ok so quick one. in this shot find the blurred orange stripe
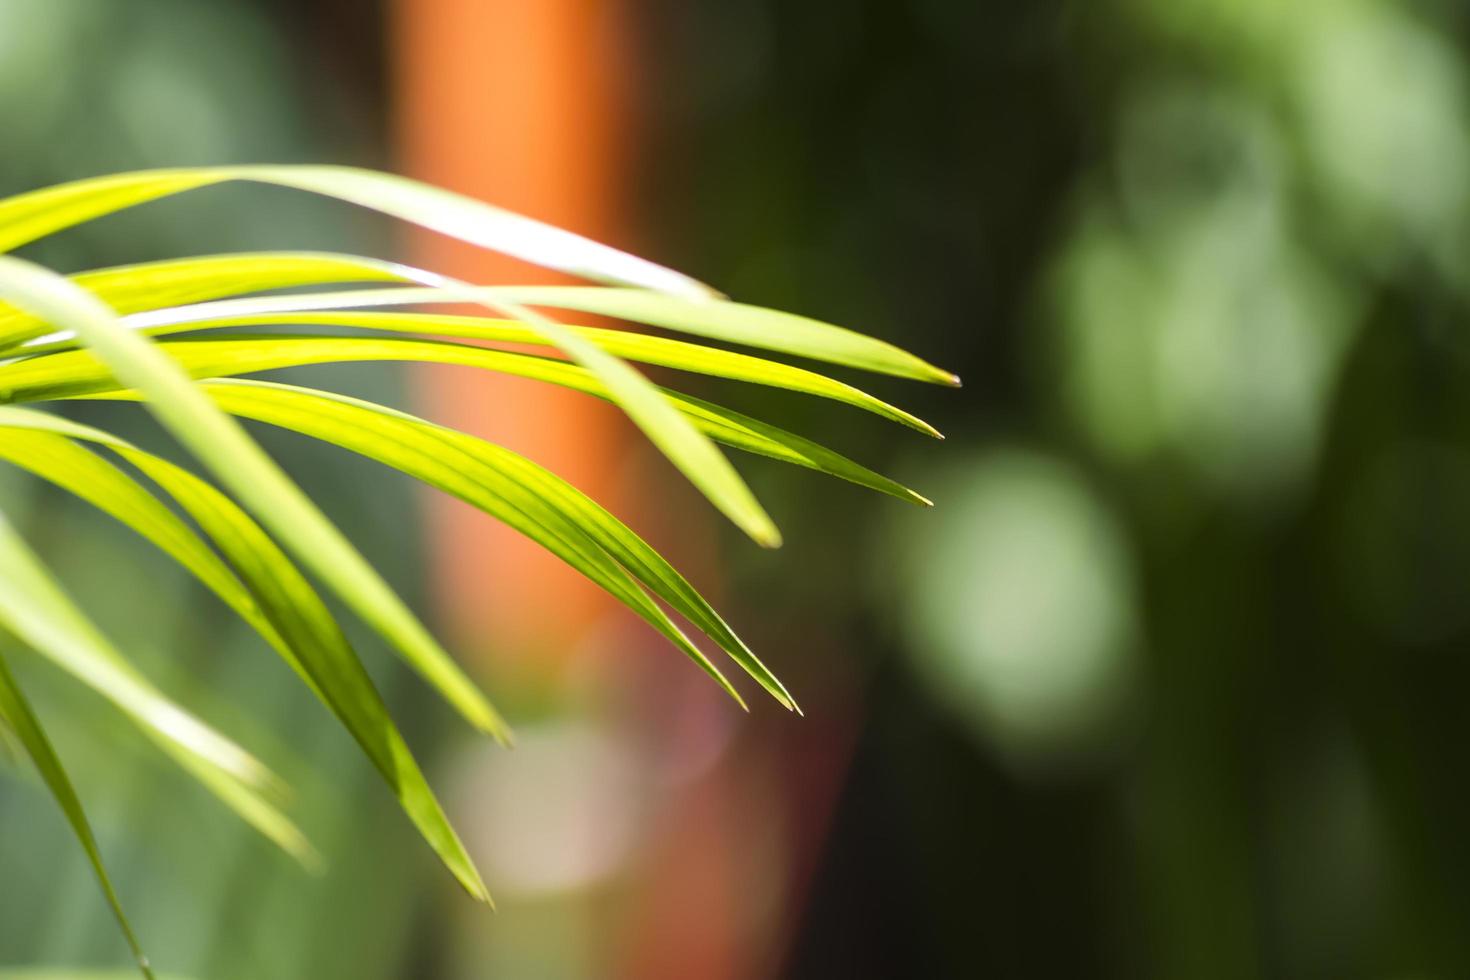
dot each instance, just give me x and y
(516, 102)
(522, 103)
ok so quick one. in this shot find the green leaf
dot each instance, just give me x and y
(685, 445)
(74, 374)
(752, 326)
(34, 214)
(23, 721)
(55, 458)
(676, 354)
(626, 547)
(279, 603)
(511, 488)
(248, 472)
(740, 323)
(28, 216)
(252, 808)
(36, 610)
(151, 285)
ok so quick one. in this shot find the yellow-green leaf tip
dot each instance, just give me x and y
(764, 533)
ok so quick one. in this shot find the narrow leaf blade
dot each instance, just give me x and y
(245, 469)
(279, 603)
(16, 710)
(643, 348)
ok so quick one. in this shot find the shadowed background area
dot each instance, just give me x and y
(1169, 682)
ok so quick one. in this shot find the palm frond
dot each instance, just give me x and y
(36, 610)
(21, 719)
(24, 219)
(91, 335)
(274, 598)
(81, 374)
(236, 460)
(645, 349)
(177, 282)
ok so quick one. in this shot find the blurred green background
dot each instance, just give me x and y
(1168, 684)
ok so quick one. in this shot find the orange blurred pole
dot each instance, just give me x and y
(517, 102)
(521, 103)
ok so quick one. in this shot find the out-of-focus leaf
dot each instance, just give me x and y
(37, 611)
(34, 608)
(17, 712)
